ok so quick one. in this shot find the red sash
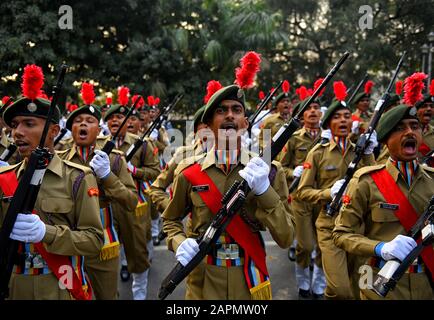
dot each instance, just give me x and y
(55, 262)
(237, 228)
(406, 213)
(424, 149)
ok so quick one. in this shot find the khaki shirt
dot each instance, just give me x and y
(274, 123)
(428, 137)
(119, 185)
(163, 140)
(363, 223)
(64, 144)
(297, 149)
(384, 155)
(158, 193)
(73, 225)
(268, 210)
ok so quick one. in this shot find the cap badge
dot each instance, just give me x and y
(32, 107)
(92, 109)
(412, 111)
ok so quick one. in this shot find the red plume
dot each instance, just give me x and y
(245, 76)
(43, 95)
(123, 93)
(151, 101)
(108, 101)
(140, 103)
(212, 87)
(73, 107)
(33, 80)
(368, 86)
(431, 88)
(398, 87)
(285, 86)
(302, 93)
(6, 99)
(340, 90)
(87, 93)
(413, 86)
(261, 95)
(157, 101)
(317, 84)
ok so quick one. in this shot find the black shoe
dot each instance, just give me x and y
(155, 241)
(317, 296)
(291, 254)
(125, 275)
(305, 294)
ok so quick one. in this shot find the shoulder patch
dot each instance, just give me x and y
(368, 169)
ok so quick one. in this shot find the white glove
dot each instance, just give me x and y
(398, 248)
(326, 134)
(28, 228)
(256, 174)
(323, 110)
(355, 127)
(154, 134)
(372, 143)
(298, 171)
(100, 164)
(336, 187)
(131, 167)
(3, 163)
(187, 250)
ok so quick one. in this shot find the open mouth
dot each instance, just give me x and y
(82, 133)
(229, 128)
(22, 145)
(409, 146)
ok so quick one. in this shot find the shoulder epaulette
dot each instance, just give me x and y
(184, 164)
(368, 169)
(9, 168)
(80, 167)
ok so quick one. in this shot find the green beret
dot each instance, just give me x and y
(335, 106)
(426, 98)
(117, 108)
(301, 104)
(391, 118)
(34, 108)
(281, 96)
(89, 109)
(359, 97)
(198, 117)
(394, 98)
(231, 92)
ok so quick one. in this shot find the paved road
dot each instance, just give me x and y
(280, 268)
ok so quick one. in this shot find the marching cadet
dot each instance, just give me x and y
(236, 267)
(362, 115)
(320, 182)
(424, 114)
(134, 228)
(277, 120)
(305, 213)
(114, 183)
(383, 203)
(66, 225)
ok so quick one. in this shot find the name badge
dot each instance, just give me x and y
(302, 149)
(330, 168)
(390, 206)
(200, 188)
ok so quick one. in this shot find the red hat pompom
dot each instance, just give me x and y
(245, 76)
(286, 86)
(108, 101)
(340, 90)
(261, 95)
(157, 101)
(212, 87)
(317, 84)
(123, 93)
(6, 99)
(309, 92)
(43, 95)
(413, 86)
(368, 86)
(140, 103)
(398, 87)
(151, 101)
(73, 107)
(431, 88)
(33, 80)
(87, 93)
(302, 93)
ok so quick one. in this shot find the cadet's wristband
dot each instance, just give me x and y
(378, 248)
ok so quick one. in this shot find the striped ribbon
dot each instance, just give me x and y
(341, 142)
(141, 187)
(312, 132)
(226, 159)
(110, 248)
(84, 152)
(407, 169)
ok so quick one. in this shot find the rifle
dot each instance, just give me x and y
(62, 133)
(363, 142)
(393, 270)
(24, 198)
(9, 151)
(357, 89)
(109, 145)
(428, 157)
(234, 198)
(156, 124)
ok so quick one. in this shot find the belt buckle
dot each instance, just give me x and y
(228, 251)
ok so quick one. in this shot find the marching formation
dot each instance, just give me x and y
(343, 183)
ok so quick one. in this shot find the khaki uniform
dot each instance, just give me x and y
(364, 222)
(384, 155)
(273, 123)
(428, 137)
(305, 213)
(103, 269)
(5, 141)
(327, 166)
(64, 144)
(134, 228)
(158, 192)
(73, 225)
(269, 210)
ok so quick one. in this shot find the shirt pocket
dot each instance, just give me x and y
(57, 205)
(383, 215)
